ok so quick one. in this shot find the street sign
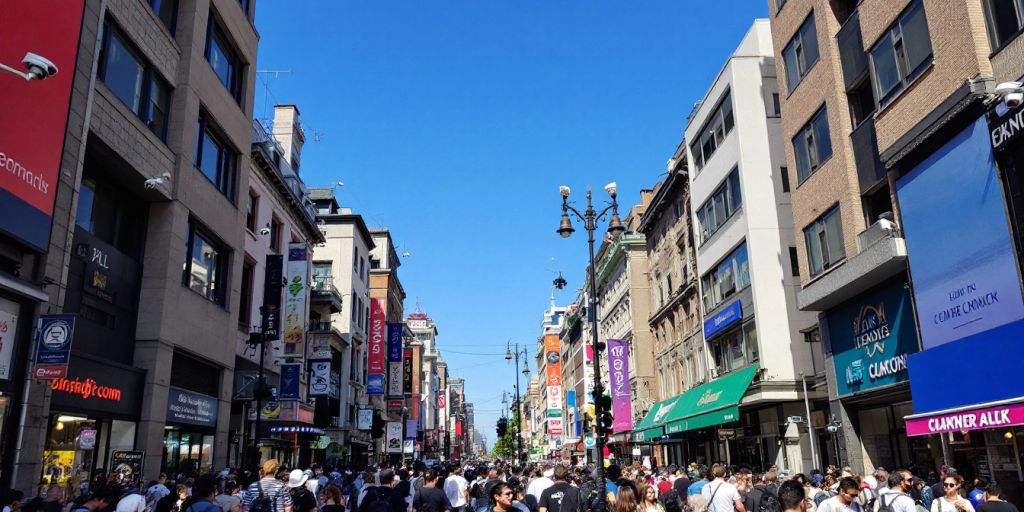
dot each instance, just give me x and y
(795, 419)
(726, 433)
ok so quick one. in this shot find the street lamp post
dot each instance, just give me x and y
(590, 218)
(510, 355)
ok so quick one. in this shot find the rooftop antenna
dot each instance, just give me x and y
(267, 94)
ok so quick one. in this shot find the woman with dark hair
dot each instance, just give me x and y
(334, 501)
(627, 501)
(501, 495)
(952, 500)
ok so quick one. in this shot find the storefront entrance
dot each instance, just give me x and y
(78, 450)
(187, 452)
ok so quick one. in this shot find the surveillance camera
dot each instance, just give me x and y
(1009, 87)
(264, 231)
(1014, 99)
(38, 67)
(832, 429)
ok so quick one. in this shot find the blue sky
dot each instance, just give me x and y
(454, 122)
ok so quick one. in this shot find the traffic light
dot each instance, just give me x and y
(377, 429)
(502, 427)
(604, 422)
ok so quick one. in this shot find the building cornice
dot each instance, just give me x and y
(615, 252)
(349, 218)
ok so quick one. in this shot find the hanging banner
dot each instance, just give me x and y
(618, 379)
(407, 373)
(553, 358)
(53, 350)
(364, 419)
(273, 276)
(442, 398)
(412, 428)
(375, 369)
(394, 437)
(8, 327)
(396, 381)
(295, 299)
(319, 378)
(291, 377)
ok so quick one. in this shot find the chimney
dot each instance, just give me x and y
(646, 196)
(288, 132)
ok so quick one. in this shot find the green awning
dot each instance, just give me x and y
(659, 414)
(713, 403)
(647, 435)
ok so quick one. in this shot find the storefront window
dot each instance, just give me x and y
(70, 454)
(187, 453)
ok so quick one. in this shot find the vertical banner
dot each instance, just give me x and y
(395, 375)
(34, 113)
(553, 362)
(273, 275)
(53, 350)
(411, 429)
(375, 363)
(319, 378)
(618, 379)
(394, 437)
(291, 377)
(407, 373)
(295, 304)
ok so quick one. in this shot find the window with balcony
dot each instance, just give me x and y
(730, 276)
(1005, 20)
(902, 53)
(735, 348)
(715, 130)
(223, 58)
(215, 158)
(801, 53)
(720, 206)
(134, 81)
(824, 241)
(812, 145)
(206, 261)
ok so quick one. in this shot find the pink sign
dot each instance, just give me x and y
(618, 380)
(992, 417)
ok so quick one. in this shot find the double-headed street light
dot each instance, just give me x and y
(510, 355)
(590, 218)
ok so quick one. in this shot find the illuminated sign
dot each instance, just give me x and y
(86, 389)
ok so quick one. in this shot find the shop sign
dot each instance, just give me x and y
(364, 419)
(86, 438)
(1005, 125)
(375, 362)
(395, 364)
(295, 299)
(618, 376)
(553, 360)
(127, 466)
(554, 397)
(34, 113)
(991, 417)
(409, 446)
(726, 433)
(724, 318)
(319, 378)
(53, 347)
(94, 387)
(291, 378)
(8, 328)
(407, 373)
(555, 426)
(871, 338)
(395, 406)
(188, 408)
(393, 438)
(273, 275)
(335, 390)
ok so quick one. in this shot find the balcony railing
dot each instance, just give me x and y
(320, 326)
(324, 290)
(275, 153)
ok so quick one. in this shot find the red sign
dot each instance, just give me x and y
(395, 406)
(458, 428)
(34, 113)
(87, 389)
(378, 325)
(49, 371)
(441, 401)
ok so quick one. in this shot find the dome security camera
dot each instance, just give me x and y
(265, 231)
(39, 67)
(1012, 93)
(1014, 99)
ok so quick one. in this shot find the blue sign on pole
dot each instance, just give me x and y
(375, 384)
(291, 376)
(724, 318)
(53, 352)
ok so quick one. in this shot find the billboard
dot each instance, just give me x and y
(34, 113)
(395, 363)
(871, 337)
(618, 379)
(376, 361)
(961, 256)
(295, 299)
(319, 378)
(393, 431)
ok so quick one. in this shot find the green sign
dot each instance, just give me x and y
(554, 413)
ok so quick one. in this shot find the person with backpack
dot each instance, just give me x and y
(381, 497)
(429, 498)
(846, 499)
(763, 496)
(268, 494)
(302, 499)
(97, 501)
(457, 489)
(721, 496)
(895, 496)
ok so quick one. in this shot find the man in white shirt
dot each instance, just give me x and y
(846, 500)
(896, 494)
(538, 485)
(721, 496)
(457, 489)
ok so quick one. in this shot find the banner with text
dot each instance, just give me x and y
(395, 381)
(618, 379)
(295, 299)
(375, 370)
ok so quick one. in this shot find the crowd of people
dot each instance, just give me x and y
(497, 486)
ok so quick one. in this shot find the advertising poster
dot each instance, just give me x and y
(291, 378)
(295, 299)
(8, 328)
(958, 240)
(553, 357)
(34, 113)
(53, 351)
(407, 373)
(618, 380)
(376, 370)
(393, 437)
(127, 465)
(364, 419)
(319, 378)
(395, 363)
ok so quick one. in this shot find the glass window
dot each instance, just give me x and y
(717, 127)
(784, 174)
(275, 234)
(167, 11)
(801, 53)
(824, 241)
(731, 275)
(223, 59)
(718, 208)
(215, 159)
(245, 295)
(812, 145)
(250, 211)
(205, 264)
(901, 54)
(776, 105)
(134, 81)
(735, 349)
(1005, 18)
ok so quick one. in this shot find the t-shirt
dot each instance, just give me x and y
(897, 501)
(302, 500)
(431, 499)
(551, 498)
(455, 487)
(977, 497)
(720, 495)
(272, 487)
(538, 486)
(996, 506)
(226, 501)
(833, 504)
(696, 487)
(131, 503)
(941, 504)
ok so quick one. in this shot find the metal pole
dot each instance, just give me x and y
(602, 504)
(519, 414)
(810, 425)
(259, 402)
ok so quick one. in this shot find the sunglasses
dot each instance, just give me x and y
(948, 486)
(507, 493)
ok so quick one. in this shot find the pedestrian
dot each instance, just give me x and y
(721, 496)
(228, 499)
(977, 494)
(132, 501)
(994, 501)
(649, 498)
(457, 489)
(429, 498)
(302, 499)
(936, 489)
(895, 496)
(98, 500)
(12, 500)
(268, 494)
(156, 491)
(792, 497)
(951, 500)
(334, 500)
(560, 496)
(173, 500)
(501, 495)
(204, 488)
(626, 500)
(51, 501)
(540, 484)
(698, 486)
(846, 498)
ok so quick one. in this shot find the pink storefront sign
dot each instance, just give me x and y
(991, 417)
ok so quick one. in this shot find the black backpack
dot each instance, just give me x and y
(375, 501)
(264, 502)
(823, 495)
(670, 501)
(765, 500)
(886, 505)
(570, 501)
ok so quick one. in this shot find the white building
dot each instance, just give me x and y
(753, 329)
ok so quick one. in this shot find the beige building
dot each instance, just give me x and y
(868, 90)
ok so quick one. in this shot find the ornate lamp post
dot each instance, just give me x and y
(510, 355)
